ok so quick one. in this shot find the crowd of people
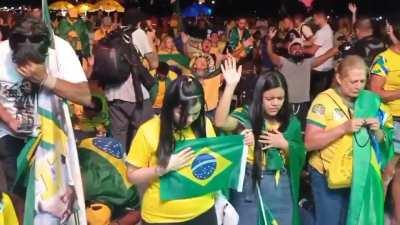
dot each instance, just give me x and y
(316, 97)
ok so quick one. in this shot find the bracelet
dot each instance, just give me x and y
(49, 82)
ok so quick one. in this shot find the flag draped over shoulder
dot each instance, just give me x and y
(104, 172)
(366, 205)
(296, 159)
(219, 163)
(50, 161)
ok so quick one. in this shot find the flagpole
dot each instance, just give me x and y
(261, 202)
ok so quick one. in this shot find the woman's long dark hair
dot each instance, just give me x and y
(184, 92)
(266, 81)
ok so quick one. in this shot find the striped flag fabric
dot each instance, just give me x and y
(50, 161)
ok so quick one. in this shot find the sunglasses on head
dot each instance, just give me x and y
(20, 38)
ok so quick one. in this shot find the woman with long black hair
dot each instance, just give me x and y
(276, 154)
(152, 155)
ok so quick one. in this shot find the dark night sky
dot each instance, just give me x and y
(261, 7)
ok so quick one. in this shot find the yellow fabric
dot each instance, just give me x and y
(387, 65)
(45, 165)
(143, 154)
(158, 102)
(100, 34)
(211, 91)
(326, 114)
(171, 74)
(8, 216)
(98, 214)
(219, 49)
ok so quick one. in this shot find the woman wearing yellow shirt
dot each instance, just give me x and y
(332, 137)
(385, 81)
(275, 158)
(151, 156)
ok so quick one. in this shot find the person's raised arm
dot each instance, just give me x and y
(353, 9)
(152, 57)
(231, 75)
(275, 58)
(322, 58)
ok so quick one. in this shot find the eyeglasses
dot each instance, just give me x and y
(20, 38)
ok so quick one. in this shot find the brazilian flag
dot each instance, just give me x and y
(104, 174)
(219, 163)
(366, 205)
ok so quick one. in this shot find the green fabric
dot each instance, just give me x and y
(297, 155)
(101, 118)
(155, 88)
(366, 205)
(243, 116)
(219, 163)
(29, 209)
(103, 183)
(180, 59)
(234, 38)
(275, 160)
(80, 28)
(47, 20)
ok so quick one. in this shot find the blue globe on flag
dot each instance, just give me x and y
(203, 166)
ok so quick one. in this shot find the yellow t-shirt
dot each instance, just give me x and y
(143, 154)
(211, 91)
(219, 49)
(328, 114)
(387, 65)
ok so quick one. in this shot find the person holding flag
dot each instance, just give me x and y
(35, 124)
(349, 135)
(276, 155)
(151, 156)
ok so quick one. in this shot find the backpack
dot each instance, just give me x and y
(116, 58)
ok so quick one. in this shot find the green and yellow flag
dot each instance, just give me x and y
(103, 171)
(366, 205)
(219, 163)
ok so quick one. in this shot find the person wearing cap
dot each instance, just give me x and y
(129, 107)
(76, 32)
(296, 68)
